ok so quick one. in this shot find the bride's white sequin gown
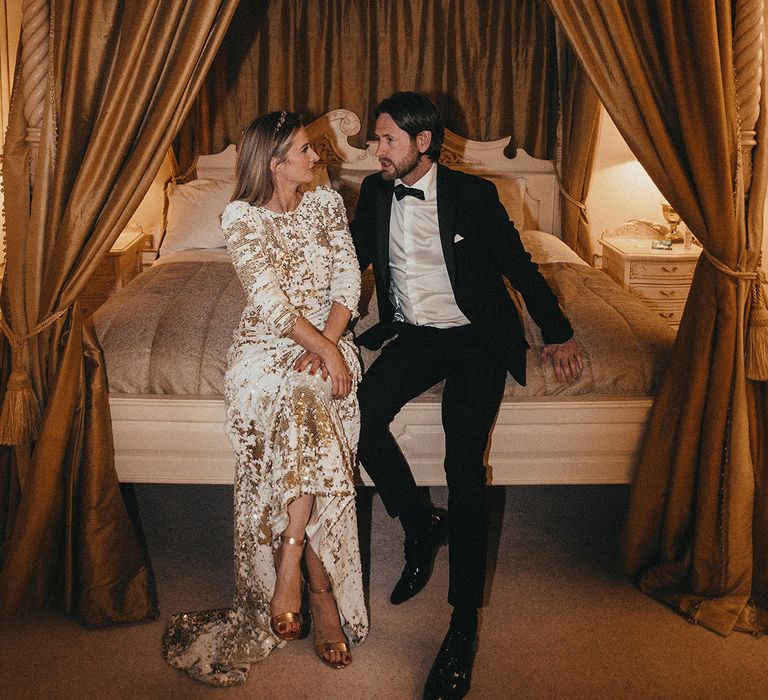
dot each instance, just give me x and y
(290, 436)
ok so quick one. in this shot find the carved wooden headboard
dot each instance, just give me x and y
(525, 184)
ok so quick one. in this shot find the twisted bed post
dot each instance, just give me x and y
(34, 60)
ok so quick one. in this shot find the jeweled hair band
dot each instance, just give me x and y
(280, 121)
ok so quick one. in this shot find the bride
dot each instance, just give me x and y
(292, 418)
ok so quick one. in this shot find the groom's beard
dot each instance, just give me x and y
(402, 168)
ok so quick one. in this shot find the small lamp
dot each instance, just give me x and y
(673, 219)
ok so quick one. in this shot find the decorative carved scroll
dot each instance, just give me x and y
(448, 156)
(328, 135)
(324, 148)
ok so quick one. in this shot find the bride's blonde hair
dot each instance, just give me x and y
(266, 137)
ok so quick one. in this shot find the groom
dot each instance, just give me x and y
(440, 243)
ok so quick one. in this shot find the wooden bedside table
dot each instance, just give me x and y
(661, 277)
(123, 263)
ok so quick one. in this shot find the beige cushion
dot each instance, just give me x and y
(194, 212)
(194, 209)
(512, 196)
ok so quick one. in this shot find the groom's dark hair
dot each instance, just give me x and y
(413, 113)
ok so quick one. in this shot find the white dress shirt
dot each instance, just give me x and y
(420, 288)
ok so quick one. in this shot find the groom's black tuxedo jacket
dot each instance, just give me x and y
(480, 246)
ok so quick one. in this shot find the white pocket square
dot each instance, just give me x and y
(458, 238)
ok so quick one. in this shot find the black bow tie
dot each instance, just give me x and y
(401, 190)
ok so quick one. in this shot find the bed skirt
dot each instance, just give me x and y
(161, 439)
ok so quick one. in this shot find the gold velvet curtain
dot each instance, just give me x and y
(490, 66)
(579, 128)
(696, 532)
(494, 67)
(122, 76)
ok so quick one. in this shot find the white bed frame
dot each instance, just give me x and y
(169, 439)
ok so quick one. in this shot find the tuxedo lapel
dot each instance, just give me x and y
(383, 213)
(446, 214)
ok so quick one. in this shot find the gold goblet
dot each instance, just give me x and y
(673, 219)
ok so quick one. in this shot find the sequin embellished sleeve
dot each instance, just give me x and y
(345, 275)
(246, 246)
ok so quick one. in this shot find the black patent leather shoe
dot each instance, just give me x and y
(451, 674)
(420, 557)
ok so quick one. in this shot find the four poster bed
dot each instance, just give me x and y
(101, 97)
(165, 337)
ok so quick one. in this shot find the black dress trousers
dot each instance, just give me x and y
(417, 359)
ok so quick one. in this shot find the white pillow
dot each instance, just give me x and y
(512, 196)
(194, 209)
(548, 248)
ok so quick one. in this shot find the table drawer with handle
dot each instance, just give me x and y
(654, 292)
(651, 270)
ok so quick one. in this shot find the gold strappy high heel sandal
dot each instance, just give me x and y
(322, 648)
(284, 620)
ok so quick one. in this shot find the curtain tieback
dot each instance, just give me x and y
(577, 203)
(20, 416)
(756, 357)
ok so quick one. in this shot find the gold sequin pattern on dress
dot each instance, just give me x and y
(289, 435)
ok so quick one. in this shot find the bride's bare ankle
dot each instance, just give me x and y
(286, 596)
(331, 644)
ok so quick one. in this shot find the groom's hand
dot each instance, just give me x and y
(566, 360)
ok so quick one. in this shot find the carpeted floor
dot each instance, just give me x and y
(561, 621)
